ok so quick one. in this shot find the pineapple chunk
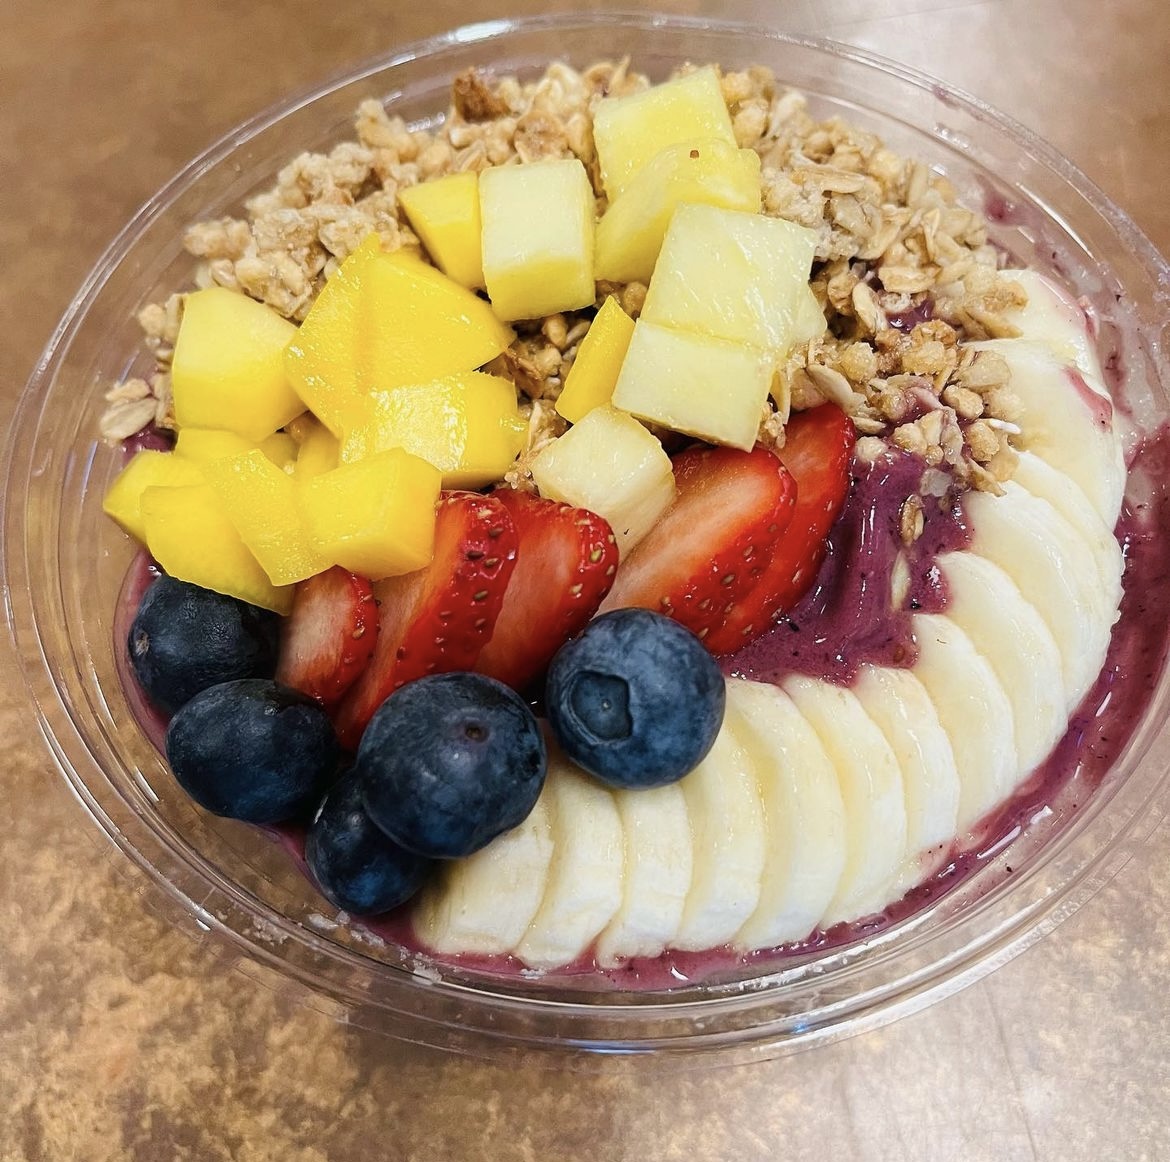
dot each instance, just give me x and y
(148, 469)
(375, 517)
(468, 426)
(732, 275)
(629, 131)
(610, 464)
(228, 370)
(695, 384)
(445, 214)
(594, 373)
(630, 234)
(261, 502)
(808, 318)
(190, 536)
(538, 225)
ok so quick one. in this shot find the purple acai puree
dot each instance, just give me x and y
(849, 618)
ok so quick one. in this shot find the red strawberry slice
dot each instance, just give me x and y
(565, 565)
(706, 552)
(818, 449)
(439, 618)
(330, 636)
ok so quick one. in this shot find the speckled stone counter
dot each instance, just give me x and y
(122, 1037)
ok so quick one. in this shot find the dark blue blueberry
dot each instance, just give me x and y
(356, 865)
(636, 699)
(253, 750)
(449, 762)
(185, 639)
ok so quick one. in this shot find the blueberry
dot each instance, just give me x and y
(355, 864)
(253, 749)
(636, 699)
(185, 639)
(449, 762)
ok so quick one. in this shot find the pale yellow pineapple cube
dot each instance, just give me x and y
(696, 384)
(610, 464)
(538, 225)
(228, 367)
(629, 131)
(444, 213)
(731, 275)
(630, 233)
(594, 372)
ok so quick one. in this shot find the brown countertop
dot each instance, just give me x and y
(121, 1037)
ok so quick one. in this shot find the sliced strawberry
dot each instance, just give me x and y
(330, 636)
(564, 567)
(439, 618)
(818, 449)
(707, 550)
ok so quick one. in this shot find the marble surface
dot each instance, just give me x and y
(124, 1038)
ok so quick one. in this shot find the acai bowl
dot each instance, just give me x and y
(66, 566)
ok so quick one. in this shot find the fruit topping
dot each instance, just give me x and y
(565, 564)
(636, 699)
(706, 552)
(185, 638)
(149, 468)
(357, 866)
(445, 214)
(817, 452)
(330, 636)
(252, 749)
(450, 762)
(437, 619)
(594, 372)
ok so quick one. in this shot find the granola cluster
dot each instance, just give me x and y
(905, 275)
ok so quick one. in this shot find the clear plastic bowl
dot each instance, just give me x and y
(64, 563)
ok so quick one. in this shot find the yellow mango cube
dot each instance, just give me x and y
(319, 451)
(148, 469)
(445, 215)
(228, 367)
(261, 502)
(695, 384)
(731, 275)
(630, 233)
(629, 131)
(468, 426)
(594, 372)
(538, 224)
(190, 535)
(201, 445)
(281, 449)
(375, 516)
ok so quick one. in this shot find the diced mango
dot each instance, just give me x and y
(228, 367)
(444, 213)
(281, 449)
(629, 131)
(148, 469)
(319, 452)
(375, 516)
(731, 275)
(538, 223)
(695, 384)
(190, 536)
(383, 320)
(630, 233)
(594, 372)
(468, 426)
(201, 445)
(261, 502)
(610, 464)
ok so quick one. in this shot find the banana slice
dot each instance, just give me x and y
(898, 702)
(988, 607)
(974, 711)
(1067, 420)
(483, 904)
(1042, 480)
(1051, 565)
(1052, 316)
(727, 821)
(871, 791)
(584, 885)
(803, 812)
(656, 835)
